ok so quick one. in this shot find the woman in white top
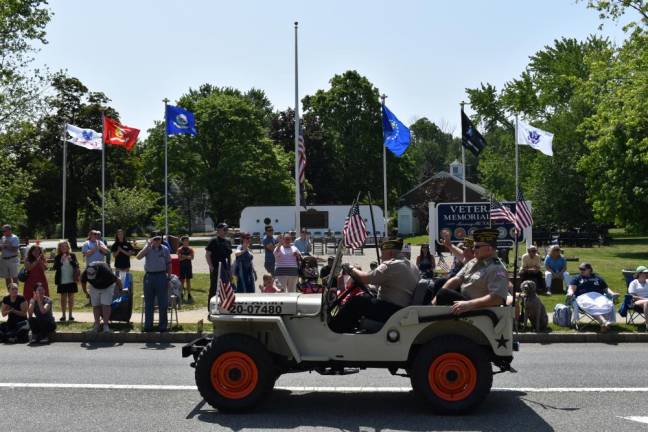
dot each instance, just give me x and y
(287, 258)
(639, 289)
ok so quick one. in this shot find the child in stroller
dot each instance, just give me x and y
(308, 273)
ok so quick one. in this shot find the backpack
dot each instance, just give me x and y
(562, 315)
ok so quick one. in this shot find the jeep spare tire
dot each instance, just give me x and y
(453, 374)
(234, 372)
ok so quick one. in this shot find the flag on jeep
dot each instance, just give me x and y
(226, 296)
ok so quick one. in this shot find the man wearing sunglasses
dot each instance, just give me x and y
(482, 282)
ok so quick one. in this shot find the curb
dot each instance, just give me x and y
(134, 337)
(183, 337)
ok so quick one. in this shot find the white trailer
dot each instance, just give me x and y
(314, 218)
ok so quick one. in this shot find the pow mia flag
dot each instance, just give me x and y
(470, 138)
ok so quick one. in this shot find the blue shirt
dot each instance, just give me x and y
(156, 259)
(585, 284)
(96, 255)
(269, 255)
(303, 245)
(555, 265)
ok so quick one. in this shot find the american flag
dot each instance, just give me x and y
(523, 217)
(226, 296)
(443, 265)
(354, 231)
(301, 154)
(498, 211)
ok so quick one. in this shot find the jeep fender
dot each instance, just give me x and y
(448, 328)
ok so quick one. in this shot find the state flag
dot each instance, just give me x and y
(396, 135)
(118, 134)
(179, 121)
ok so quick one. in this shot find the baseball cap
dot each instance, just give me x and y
(222, 225)
(6, 227)
(642, 269)
(585, 265)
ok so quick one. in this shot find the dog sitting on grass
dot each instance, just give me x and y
(534, 310)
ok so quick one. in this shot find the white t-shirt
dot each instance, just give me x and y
(638, 289)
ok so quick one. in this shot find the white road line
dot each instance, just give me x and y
(637, 419)
(302, 389)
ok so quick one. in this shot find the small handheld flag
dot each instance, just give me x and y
(471, 139)
(118, 134)
(86, 138)
(396, 134)
(534, 137)
(179, 121)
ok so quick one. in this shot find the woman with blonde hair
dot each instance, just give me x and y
(66, 277)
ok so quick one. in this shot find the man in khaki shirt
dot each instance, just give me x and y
(396, 279)
(482, 282)
(531, 268)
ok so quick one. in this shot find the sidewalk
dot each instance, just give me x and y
(184, 316)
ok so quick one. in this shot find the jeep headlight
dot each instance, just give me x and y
(213, 305)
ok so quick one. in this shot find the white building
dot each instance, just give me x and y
(315, 218)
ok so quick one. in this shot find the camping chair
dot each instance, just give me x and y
(634, 312)
(578, 314)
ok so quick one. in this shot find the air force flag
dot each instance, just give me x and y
(179, 121)
(396, 135)
(534, 137)
(84, 137)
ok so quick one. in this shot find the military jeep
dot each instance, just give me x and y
(448, 358)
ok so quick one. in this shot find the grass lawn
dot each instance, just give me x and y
(199, 292)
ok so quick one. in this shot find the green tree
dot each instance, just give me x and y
(22, 27)
(615, 9)
(177, 221)
(127, 208)
(432, 149)
(616, 161)
(231, 160)
(349, 119)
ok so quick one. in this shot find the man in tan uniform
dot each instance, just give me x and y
(396, 279)
(482, 282)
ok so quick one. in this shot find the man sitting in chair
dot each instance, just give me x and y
(593, 296)
(482, 282)
(396, 279)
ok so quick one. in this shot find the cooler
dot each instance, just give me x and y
(175, 265)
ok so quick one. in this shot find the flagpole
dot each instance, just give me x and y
(386, 214)
(373, 227)
(297, 184)
(103, 178)
(166, 174)
(64, 182)
(463, 160)
(517, 234)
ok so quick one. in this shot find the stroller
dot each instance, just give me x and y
(308, 274)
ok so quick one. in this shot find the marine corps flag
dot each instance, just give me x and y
(470, 138)
(117, 134)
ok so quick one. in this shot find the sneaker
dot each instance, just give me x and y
(62, 319)
(93, 330)
(605, 327)
(45, 340)
(548, 292)
(33, 339)
(106, 329)
(71, 318)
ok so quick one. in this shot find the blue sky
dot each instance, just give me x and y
(422, 54)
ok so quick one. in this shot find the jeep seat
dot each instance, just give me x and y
(423, 292)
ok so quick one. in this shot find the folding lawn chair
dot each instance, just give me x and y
(578, 313)
(634, 312)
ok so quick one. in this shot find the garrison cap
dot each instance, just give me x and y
(486, 235)
(392, 244)
(468, 242)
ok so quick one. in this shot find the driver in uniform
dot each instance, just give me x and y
(482, 282)
(396, 279)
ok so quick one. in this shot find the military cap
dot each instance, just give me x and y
(468, 242)
(392, 244)
(486, 235)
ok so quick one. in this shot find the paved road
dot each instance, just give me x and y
(548, 393)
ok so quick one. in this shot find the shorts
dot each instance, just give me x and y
(186, 271)
(67, 288)
(101, 297)
(9, 267)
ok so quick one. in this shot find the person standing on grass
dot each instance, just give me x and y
(9, 246)
(94, 249)
(102, 286)
(122, 250)
(41, 318)
(35, 264)
(269, 242)
(243, 268)
(186, 256)
(66, 276)
(287, 258)
(157, 266)
(218, 251)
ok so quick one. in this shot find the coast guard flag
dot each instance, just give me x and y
(534, 137)
(395, 133)
(86, 138)
(179, 121)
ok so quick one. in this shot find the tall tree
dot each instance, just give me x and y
(432, 149)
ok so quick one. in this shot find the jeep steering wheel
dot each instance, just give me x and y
(347, 290)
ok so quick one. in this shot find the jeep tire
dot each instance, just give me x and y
(234, 372)
(453, 374)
